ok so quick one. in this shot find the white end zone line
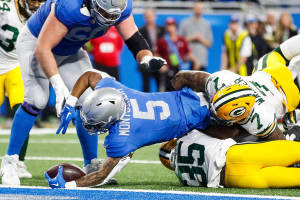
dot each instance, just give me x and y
(81, 159)
(164, 192)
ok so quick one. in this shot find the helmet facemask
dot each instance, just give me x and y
(103, 16)
(101, 110)
(28, 7)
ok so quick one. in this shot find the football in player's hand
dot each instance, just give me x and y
(71, 172)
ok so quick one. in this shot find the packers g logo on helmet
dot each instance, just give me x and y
(233, 103)
(165, 151)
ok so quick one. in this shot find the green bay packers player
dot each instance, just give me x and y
(13, 15)
(203, 161)
(254, 102)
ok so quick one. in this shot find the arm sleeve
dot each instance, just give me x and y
(246, 49)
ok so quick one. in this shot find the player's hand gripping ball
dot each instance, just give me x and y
(58, 175)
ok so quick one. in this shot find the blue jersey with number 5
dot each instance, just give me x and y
(152, 118)
(80, 27)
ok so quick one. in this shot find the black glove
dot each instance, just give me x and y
(293, 134)
(152, 64)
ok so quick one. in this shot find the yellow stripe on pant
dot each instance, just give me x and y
(263, 165)
(12, 84)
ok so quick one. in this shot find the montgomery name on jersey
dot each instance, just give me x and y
(152, 118)
(11, 24)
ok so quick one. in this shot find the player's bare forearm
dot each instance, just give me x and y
(98, 177)
(88, 79)
(276, 135)
(193, 79)
(51, 34)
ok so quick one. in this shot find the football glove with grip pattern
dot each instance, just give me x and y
(67, 115)
(291, 119)
(293, 134)
(152, 64)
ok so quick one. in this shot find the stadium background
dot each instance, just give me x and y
(145, 172)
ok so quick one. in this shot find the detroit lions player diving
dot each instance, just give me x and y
(134, 119)
(254, 102)
(13, 15)
(49, 49)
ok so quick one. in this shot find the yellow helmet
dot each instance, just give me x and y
(165, 151)
(233, 103)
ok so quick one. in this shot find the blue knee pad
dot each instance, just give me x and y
(22, 124)
(89, 143)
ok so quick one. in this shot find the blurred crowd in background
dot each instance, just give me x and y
(185, 45)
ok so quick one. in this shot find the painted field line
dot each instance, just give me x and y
(81, 159)
(40, 131)
(162, 192)
(51, 141)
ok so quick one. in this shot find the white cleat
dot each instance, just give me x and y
(95, 166)
(22, 171)
(9, 170)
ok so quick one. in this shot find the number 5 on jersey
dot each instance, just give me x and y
(150, 114)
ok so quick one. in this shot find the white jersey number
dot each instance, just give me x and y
(184, 163)
(7, 44)
(149, 114)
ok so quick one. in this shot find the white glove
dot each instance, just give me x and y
(291, 119)
(61, 92)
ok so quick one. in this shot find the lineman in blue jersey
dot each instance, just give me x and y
(134, 119)
(49, 49)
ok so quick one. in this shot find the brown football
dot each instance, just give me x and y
(71, 172)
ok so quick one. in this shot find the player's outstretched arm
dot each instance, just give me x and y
(51, 34)
(88, 79)
(109, 167)
(276, 135)
(193, 79)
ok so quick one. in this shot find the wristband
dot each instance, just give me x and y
(71, 101)
(146, 59)
(56, 80)
(70, 185)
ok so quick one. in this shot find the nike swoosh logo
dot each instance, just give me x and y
(68, 115)
(55, 184)
(106, 146)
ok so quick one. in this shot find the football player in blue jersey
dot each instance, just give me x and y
(49, 49)
(134, 119)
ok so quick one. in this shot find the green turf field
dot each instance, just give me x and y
(133, 176)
